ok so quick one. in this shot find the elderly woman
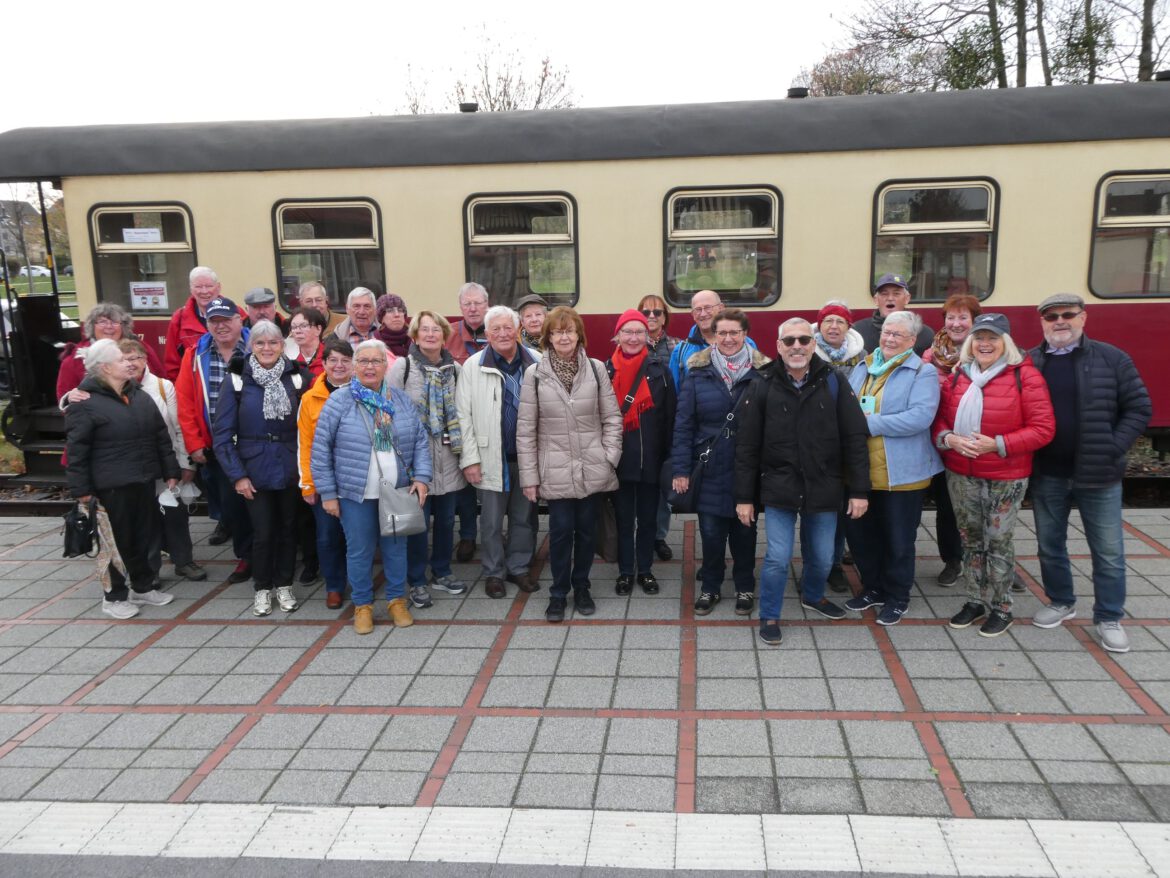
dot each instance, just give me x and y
(532, 310)
(660, 344)
(568, 441)
(709, 403)
(306, 327)
(646, 398)
(428, 375)
(899, 397)
(255, 441)
(104, 321)
(392, 325)
(118, 446)
(994, 413)
(367, 432)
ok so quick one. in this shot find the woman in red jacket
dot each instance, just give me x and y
(994, 412)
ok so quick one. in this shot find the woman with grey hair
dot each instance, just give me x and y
(255, 440)
(106, 320)
(118, 446)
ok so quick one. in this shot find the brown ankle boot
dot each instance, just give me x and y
(399, 614)
(363, 619)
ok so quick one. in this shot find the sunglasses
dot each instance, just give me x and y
(791, 340)
(652, 312)
(1053, 316)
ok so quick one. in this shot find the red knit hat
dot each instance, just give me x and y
(836, 310)
(627, 316)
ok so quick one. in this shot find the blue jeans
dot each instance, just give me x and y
(838, 540)
(468, 505)
(330, 548)
(362, 536)
(442, 507)
(717, 533)
(1052, 498)
(571, 530)
(817, 531)
(883, 544)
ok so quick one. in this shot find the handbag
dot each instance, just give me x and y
(605, 529)
(80, 530)
(399, 512)
(688, 500)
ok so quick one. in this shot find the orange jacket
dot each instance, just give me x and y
(312, 402)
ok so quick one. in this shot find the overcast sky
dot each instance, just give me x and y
(130, 61)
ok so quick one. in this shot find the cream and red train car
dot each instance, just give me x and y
(779, 205)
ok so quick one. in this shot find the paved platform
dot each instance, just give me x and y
(685, 736)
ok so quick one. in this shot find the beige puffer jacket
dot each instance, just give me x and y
(569, 443)
(447, 474)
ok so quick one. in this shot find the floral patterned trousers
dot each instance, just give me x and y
(986, 512)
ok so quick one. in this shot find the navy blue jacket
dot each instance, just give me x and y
(644, 449)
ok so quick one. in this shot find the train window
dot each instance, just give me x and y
(939, 234)
(523, 244)
(1131, 239)
(143, 254)
(336, 242)
(727, 240)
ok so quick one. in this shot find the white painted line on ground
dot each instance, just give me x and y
(62, 828)
(15, 816)
(462, 835)
(1090, 850)
(379, 834)
(810, 843)
(1012, 851)
(719, 841)
(218, 831)
(547, 838)
(1153, 841)
(302, 833)
(140, 830)
(632, 840)
(902, 844)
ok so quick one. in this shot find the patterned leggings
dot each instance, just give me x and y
(986, 512)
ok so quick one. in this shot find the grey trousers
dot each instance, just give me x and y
(502, 557)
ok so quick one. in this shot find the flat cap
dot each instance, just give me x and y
(259, 296)
(1061, 299)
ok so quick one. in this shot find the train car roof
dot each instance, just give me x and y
(904, 121)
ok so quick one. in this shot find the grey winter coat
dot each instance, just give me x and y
(406, 374)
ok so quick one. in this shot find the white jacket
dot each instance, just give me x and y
(163, 393)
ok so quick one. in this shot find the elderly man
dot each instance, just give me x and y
(359, 324)
(488, 400)
(260, 303)
(890, 294)
(312, 294)
(468, 336)
(1101, 408)
(189, 323)
(202, 379)
(532, 310)
(705, 307)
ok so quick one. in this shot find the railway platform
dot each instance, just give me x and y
(197, 739)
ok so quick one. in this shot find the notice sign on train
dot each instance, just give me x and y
(141, 236)
(148, 296)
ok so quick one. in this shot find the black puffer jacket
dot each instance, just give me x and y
(644, 449)
(111, 443)
(1113, 409)
(802, 449)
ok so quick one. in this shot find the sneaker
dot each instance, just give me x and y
(262, 603)
(464, 551)
(286, 599)
(770, 633)
(825, 607)
(998, 621)
(242, 573)
(154, 598)
(399, 614)
(1113, 636)
(556, 609)
(706, 602)
(971, 613)
(837, 581)
(420, 597)
(309, 575)
(745, 602)
(1018, 586)
(648, 583)
(662, 550)
(863, 601)
(119, 609)
(624, 585)
(449, 584)
(191, 571)
(583, 602)
(363, 619)
(1052, 615)
(950, 574)
(220, 535)
(891, 614)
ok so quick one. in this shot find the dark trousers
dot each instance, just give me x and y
(233, 514)
(468, 507)
(133, 533)
(307, 535)
(946, 529)
(172, 533)
(274, 536)
(439, 511)
(571, 526)
(883, 543)
(717, 533)
(635, 506)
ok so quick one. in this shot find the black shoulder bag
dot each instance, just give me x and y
(80, 530)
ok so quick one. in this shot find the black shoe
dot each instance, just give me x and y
(950, 574)
(310, 575)
(997, 622)
(464, 551)
(648, 582)
(971, 613)
(662, 550)
(825, 607)
(556, 609)
(625, 584)
(706, 603)
(847, 558)
(220, 535)
(1018, 586)
(744, 602)
(191, 571)
(242, 573)
(770, 633)
(837, 581)
(863, 601)
(583, 602)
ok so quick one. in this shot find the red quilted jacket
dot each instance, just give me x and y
(1019, 411)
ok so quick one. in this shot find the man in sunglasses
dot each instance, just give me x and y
(1101, 408)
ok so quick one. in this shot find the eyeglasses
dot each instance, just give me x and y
(704, 309)
(133, 358)
(295, 326)
(563, 333)
(364, 363)
(653, 312)
(889, 333)
(1053, 316)
(338, 361)
(729, 333)
(790, 340)
(106, 321)
(633, 333)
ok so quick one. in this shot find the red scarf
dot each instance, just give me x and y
(625, 369)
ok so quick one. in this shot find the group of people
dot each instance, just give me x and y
(291, 429)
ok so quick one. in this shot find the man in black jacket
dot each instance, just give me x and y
(890, 294)
(1101, 408)
(801, 449)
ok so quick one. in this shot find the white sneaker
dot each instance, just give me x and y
(1113, 636)
(154, 598)
(119, 609)
(262, 603)
(286, 599)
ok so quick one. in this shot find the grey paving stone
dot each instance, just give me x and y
(455, 662)
(1059, 771)
(1033, 639)
(646, 693)
(1158, 798)
(484, 790)
(213, 660)
(717, 737)
(806, 738)
(1001, 665)
(517, 692)
(416, 733)
(581, 692)
(997, 771)
(978, 741)
(894, 769)
(326, 760)
(11, 723)
(375, 691)
(16, 781)
(1143, 666)
(195, 731)
(500, 763)
(854, 638)
(383, 788)
(48, 689)
(638, 736)
(157, 660)
(782, 664)
(25, 756)
(730, 766)
(809, 766)
(652, 766)
(269, 661)
(571, 735)
(124, 635)
(234, 785)
(1087, 696)
(70, 730)
(300, 637)
(315, 690)
(339, 661)
(588, 663)
(178, 690)
(726, 638)
(882, 739)
(819, 796)
(952, 695)
(1057, 741)
(155, 758)
(624, 793)
(144, 785)
(347, 731)
(470, 636)
(234, 635)
(726, 663)
(797, 694)
(269, 757)
(1091, 801)
(927, 664)
(651, 637)
(865, 695)
(294, 787)
(501, 734)
(729, 694)
(663, 607)
(904, 797)
(92, 757)
(538, 637)
(839, 664)
(88, 661)
(10, 683)
(1069, 666)
(36, 659)
(73, 784)
(1147, 773)
(289, 731)
(1133, 743)
(1023, 696)
(347, 638)
(556, 791)
(601, 637)
(1029, 801)
(438, 691)
(528, 662)
(240, 689)
(745, 795)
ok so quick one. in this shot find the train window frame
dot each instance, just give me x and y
(990, 226)
(282, 245)
(1100, 222)
(99, 248)
(773, 232)
(571, 237)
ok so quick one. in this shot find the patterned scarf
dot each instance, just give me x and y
(879, 365)
(625, 369)
(276, 404)
(835, 355)
(380, 408)
(946, 355)
(565, 370)
(734, 368)
(436, 405)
